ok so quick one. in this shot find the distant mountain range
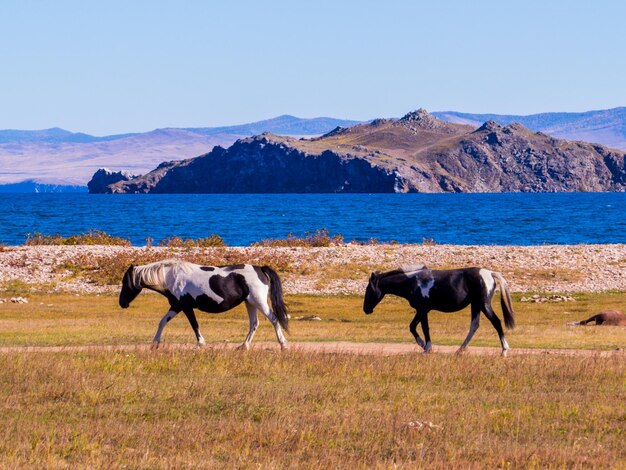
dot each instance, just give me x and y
(606, 127)
(417, 153)
(58, 157)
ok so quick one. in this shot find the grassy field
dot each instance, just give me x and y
(52, 320)
(226, 409)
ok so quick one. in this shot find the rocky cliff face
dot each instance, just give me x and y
(418, 153)
(262, 164)
(105, 177)
(511, 158)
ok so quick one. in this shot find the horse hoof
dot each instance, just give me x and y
(154, 345)
(459, 351)
(284, 347)
(242, 347)
(504, 352)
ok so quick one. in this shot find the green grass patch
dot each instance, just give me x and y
(64, 319)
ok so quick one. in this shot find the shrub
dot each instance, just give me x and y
(93, 237)
(321, 237)
(208, 242)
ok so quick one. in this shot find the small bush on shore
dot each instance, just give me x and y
(92, 237)
(211, 241)
(320, 238)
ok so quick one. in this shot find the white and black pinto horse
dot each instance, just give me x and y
(445, 291)
(212, 289)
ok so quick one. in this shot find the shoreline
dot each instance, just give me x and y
(342, 269)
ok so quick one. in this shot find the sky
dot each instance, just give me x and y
(108, 67)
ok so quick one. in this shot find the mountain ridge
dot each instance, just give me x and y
(417, 153)
(54, 155)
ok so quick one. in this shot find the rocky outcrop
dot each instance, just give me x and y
(104, 177)
(418, 153)
(142, 184)
(263, 164)
(513, 159)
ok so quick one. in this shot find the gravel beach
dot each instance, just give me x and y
(344, 269)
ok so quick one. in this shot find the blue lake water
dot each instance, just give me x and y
(241, 219)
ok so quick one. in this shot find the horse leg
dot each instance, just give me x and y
(164, 321)
(474, 324)
(254, 324)
(413, 329)
(584, 322)
(426, 330)
(262, 305)
(191, 316)
(497, 324)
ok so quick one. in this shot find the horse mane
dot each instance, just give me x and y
(153, 274)
(408, 269)
(411, 268)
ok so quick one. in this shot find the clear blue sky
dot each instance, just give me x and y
(112, 66)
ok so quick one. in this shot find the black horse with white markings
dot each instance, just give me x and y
(445, 291)
(212, 289)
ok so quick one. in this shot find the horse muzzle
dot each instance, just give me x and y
(124, 304)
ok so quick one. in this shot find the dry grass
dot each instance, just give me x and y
(227, 409)
(208, 409)
(87, 320)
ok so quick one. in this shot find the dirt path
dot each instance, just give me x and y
(379, 349)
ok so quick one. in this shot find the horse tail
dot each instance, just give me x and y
(505, 300)
(276, 296)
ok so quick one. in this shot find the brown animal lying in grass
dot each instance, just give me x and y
(608, 317)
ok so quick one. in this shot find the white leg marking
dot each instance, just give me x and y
(259, 299)
(157, 337)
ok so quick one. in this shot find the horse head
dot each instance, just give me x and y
(130, 290)
(373, 294)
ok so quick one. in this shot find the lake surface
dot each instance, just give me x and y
(241, 219)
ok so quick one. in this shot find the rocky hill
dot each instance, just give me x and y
(417, 153)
